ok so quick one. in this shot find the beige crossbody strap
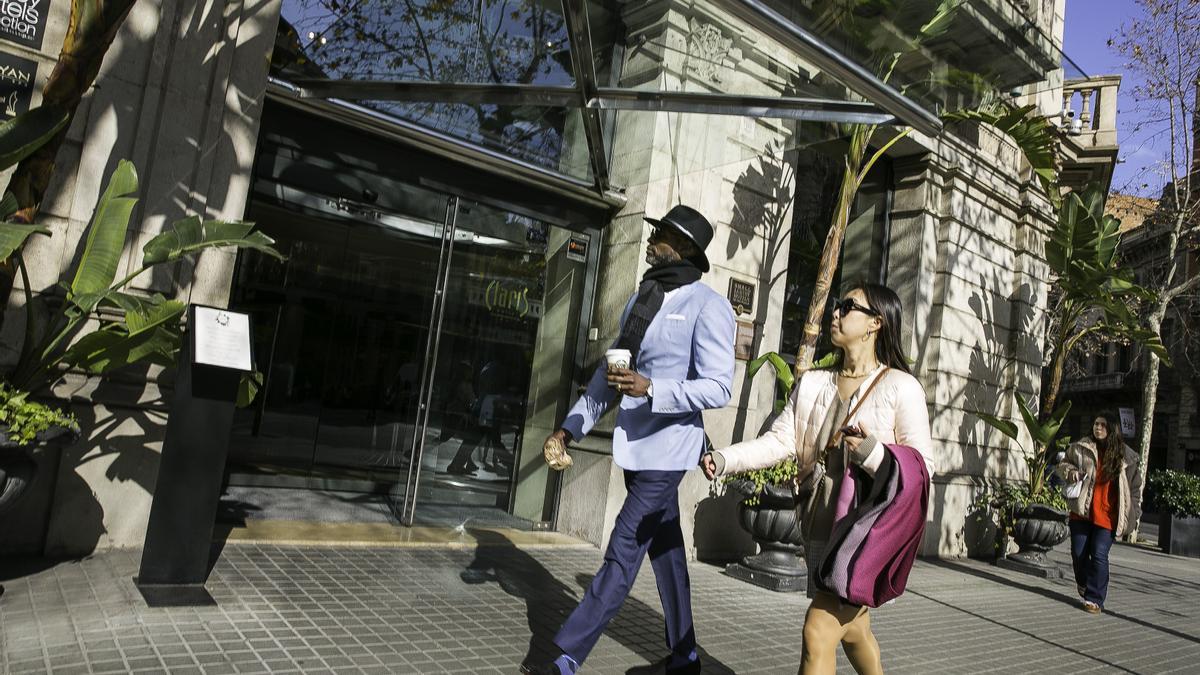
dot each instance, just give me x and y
(837, 435)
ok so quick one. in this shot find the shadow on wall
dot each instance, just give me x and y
(762, 215)
(119, 453)
(79, 492)
(995, 372)
(761, 219)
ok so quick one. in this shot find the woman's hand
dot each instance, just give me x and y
(853, 436)
(709, 465)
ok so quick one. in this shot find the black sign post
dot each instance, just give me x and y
(175, 557)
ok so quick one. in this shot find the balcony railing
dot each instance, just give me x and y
(1093, 102)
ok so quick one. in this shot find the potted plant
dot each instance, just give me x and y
(134, 327)
(1177, 500)
(26, 427)
(767, 509)
(1031, 511)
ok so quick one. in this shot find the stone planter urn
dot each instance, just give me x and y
(775, 525)
(1179, 536)
(1037, 529)
(17, 467)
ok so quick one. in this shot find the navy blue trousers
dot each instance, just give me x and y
(1089, 555)
(647, 524)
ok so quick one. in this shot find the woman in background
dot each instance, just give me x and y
(1108, 505)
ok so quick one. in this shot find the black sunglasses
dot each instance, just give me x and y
(844, 306)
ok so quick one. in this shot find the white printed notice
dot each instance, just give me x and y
(222, 338)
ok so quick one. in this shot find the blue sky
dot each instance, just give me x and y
(1089, 25)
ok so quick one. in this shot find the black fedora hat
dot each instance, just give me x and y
(692, 225)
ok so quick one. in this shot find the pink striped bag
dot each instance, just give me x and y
(878, 525)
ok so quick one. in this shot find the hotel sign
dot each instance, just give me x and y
(16, 84)
(741, 296)
(24, 21)
(506, 298)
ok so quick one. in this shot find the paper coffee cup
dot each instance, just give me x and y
(618, 358)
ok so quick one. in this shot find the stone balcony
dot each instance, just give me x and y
(1089, 121)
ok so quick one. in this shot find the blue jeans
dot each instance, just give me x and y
(647, 524)
(1089, 556)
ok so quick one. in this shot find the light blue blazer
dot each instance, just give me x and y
(688, 355)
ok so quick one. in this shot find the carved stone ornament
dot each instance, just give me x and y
(707, 48)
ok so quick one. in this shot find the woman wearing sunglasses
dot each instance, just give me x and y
(844, 414)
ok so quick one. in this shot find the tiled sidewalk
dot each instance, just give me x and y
(485, 609)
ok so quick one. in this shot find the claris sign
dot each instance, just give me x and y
(502, 299)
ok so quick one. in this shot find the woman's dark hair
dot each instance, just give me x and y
(887, 344)
(1112, 448)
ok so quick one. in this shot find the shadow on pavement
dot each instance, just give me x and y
(1053, 595)
(548, 601)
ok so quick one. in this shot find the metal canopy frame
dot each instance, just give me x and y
(889, 106)
(604, 98)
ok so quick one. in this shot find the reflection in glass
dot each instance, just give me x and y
(476, 41)
(945, 56)
(342, 328)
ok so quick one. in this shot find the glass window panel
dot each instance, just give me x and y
(551, 138)
(942, 61)
(454, 41)
(482, 41)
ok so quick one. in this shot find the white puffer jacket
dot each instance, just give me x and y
(894, 413)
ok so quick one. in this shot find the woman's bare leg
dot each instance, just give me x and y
(824, 627)
(861, 646)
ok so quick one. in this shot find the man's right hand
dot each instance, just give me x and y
(709, 465)
(554, 450)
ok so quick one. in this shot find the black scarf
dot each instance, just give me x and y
(656, 283)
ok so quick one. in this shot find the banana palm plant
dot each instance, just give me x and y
(1094, 297)
(133, 328)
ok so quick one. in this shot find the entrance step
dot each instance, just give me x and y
(310, 533)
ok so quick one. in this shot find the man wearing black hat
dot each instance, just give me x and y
(680, 337)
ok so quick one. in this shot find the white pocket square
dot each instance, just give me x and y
(676, 317)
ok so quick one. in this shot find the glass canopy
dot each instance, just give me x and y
(541, 80)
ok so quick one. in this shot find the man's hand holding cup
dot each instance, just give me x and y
(621, 377)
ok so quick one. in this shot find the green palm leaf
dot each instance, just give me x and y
(111, 348)
(1003, 426)
(191, 235)
(13, 236)
(784, 378)
(24, 134)
(8, 205)
(147, 313)
(106, 235)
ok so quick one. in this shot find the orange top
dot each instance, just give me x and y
(1103, 503)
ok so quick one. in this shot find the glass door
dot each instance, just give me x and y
(342, 329)
(413, 358)
(502, 365)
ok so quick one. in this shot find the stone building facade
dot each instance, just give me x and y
(954, 221)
